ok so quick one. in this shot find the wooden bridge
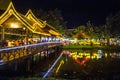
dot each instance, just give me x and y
(21, 52)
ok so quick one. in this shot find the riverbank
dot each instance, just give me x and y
(89, 47)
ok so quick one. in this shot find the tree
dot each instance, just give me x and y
(79, 32)
(54, 18)
(113, 21)
(90, 30)
(97, 32)
(108, 30)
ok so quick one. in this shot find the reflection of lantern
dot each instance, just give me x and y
(100, 53)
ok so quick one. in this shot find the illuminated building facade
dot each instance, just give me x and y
(13, 23)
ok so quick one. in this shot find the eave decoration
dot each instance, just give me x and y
(28, 21)
(29, 24)
(43, 25)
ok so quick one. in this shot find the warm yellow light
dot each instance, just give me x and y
(53, 32)
(14, 25)
(23, 28)
(61, 62)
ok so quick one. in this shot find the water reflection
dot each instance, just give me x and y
(89, 65)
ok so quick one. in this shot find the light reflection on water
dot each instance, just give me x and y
(89, 65)
(97, 54)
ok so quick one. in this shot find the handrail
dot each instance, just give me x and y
(13, 53)
(25, 46)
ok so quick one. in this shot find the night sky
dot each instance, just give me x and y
(75, 12)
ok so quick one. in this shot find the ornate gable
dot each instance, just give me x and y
(46, 27)
(29, 24)
(31, 16)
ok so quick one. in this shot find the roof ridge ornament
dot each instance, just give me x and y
(10, 11)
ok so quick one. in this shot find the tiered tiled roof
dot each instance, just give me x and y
(28, 21)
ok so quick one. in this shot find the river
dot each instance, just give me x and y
(88, 65)
(76, 65)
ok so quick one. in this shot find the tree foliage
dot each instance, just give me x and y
(90, 31)
(113, 24)
(54, 18)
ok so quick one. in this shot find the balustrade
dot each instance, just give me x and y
(13, 53)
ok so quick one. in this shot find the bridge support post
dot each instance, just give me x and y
(28, 65)
(46, 53)
(16, 66)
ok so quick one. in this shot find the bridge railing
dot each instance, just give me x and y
(9, 54)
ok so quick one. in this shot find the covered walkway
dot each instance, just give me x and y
(16, 26)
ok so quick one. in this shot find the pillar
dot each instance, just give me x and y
(3, 32)
(27, 36)
(28, 65)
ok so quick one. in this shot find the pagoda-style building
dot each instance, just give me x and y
(43, 25)
(13, 23)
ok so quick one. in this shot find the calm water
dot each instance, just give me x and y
(76, 65)
(88, 65)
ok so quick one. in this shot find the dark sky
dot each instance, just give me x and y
(75, 12)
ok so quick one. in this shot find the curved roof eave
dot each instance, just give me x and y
(39, 21)
(11, 11)
(30, 15)
(54, 33)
